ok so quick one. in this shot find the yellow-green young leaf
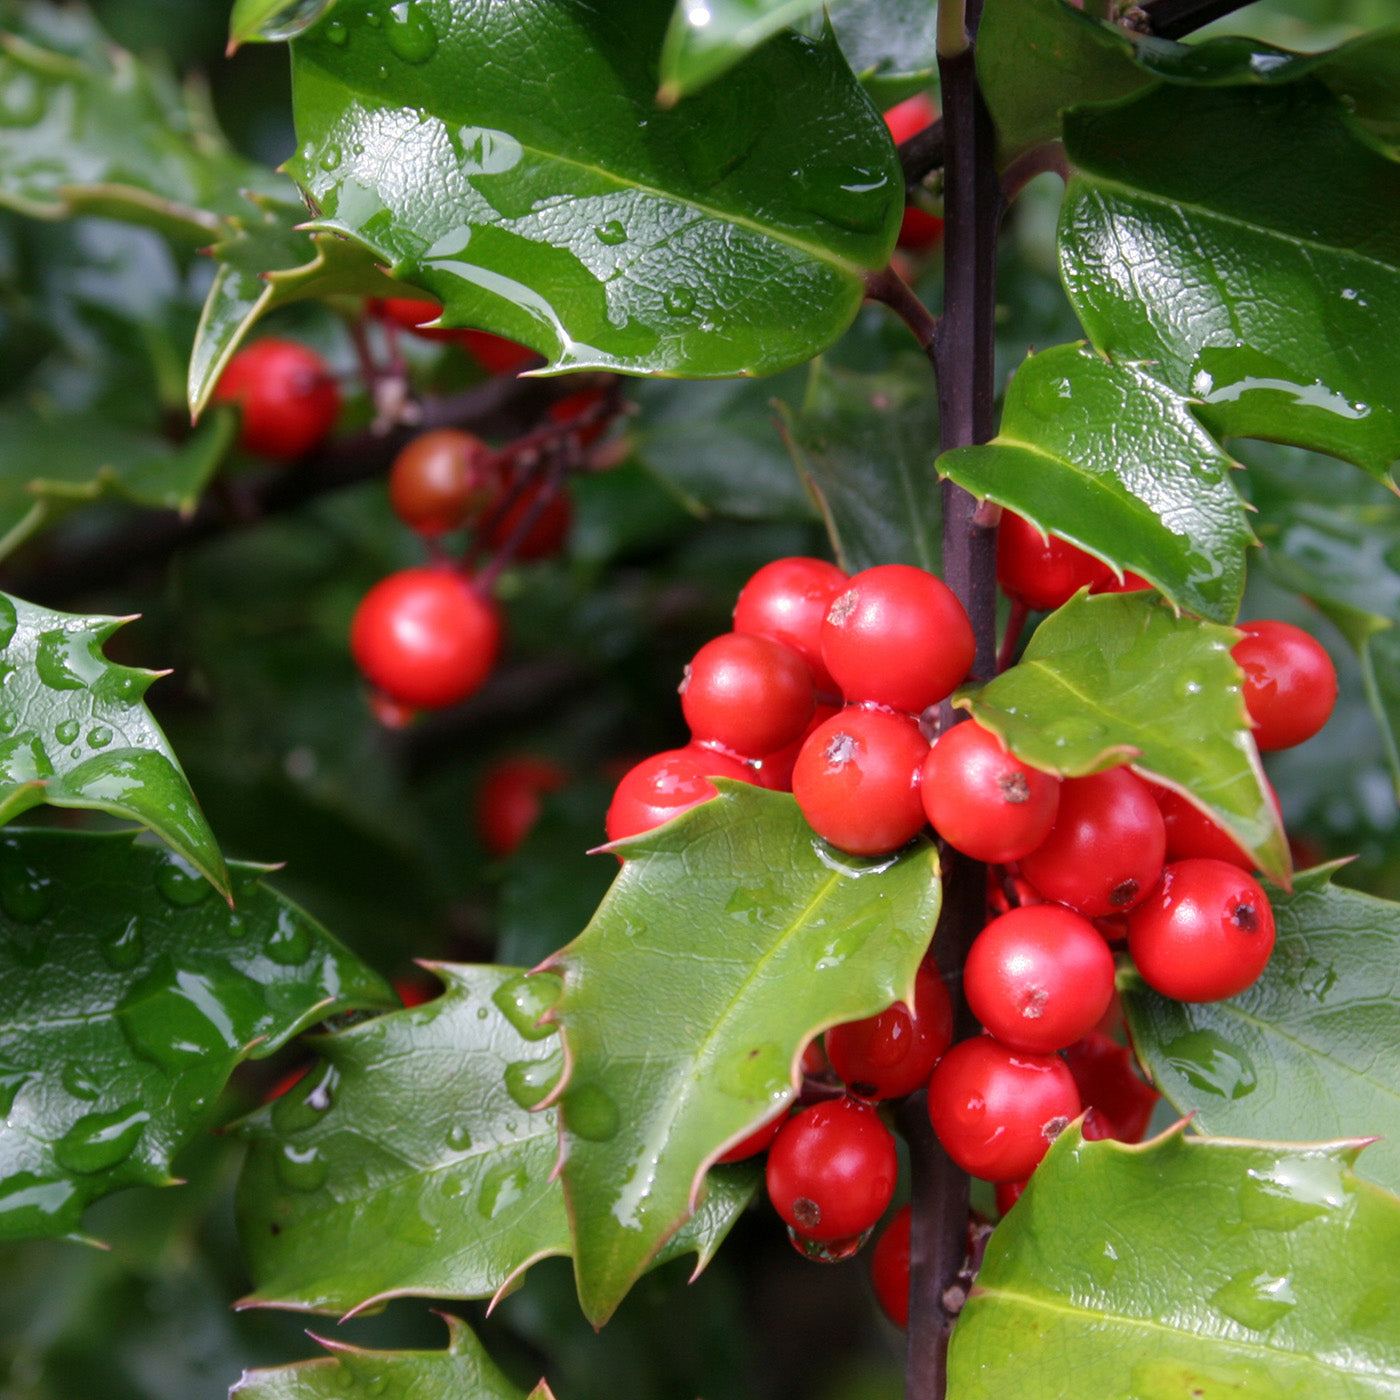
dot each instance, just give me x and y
(1311, 1050)
(552, 201)
(129, 991)
(1105, 455)
(1119, 678)
(1187, 1268)
(413, 1160)
(732, 936)
(76, 733)
(89, 129)
(463, 1372)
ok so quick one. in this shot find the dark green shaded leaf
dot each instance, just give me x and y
(129, 993)
(732, 936)
(552, 202)
(865, 445)
(1282, 1265)
(85, 128)
(1311, 1050)
(891, 46)
(410, 1162)
(76, 733)
(708, 37)
(1118, 678)
(463, 1372)
(1107, 456)
(1283, 293)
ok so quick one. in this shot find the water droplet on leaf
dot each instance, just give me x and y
(827, 1251)
(410, 32)
(293, 19)
(301, 1169)
(290, 941)
(66, 730)
(1212, 1064)
(459, 1138)
(100, 1141)
(99, 736)
(181, 883)
(304, 1105)
(67, 661)
(337, 33)
(124, 947)
(529, 1081)
(524, 999)
(1255, 1300)
(330, 158)
(590, 1113)
(611, 232)
(502, 1186)
(81, 1082)
(12, 1080)
(679, 300)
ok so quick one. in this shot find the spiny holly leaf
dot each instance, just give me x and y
(270, 21)
(732, 936)
(864, 443)
(129, 992)
(551, 201)
(88, 129)
(52, 464)
(1118, 678)
(409, 1161)
(1285, 292)
(1107, 456)
(1283, 1268)
(267, 260)
(76, 733)
(463, 1372)
(1311, 1050)
(708, 37)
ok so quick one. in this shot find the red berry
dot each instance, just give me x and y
(1106, 849)
(1042, 571)
(1008, 1193)
(889, 1268)
(907, 118)
(550, 529)
(897, 636)
(775, 769)
(750, 1146)
(508, 802)
(412, 314)
(919, 230)
(984, 801)
(832, 1169)
(1192, 834)
(1290, 684)
(1204, 933)
(286, 396)
(1109, 1088)
(749, 694)
(1039, 978)
(787, 600)
(425, 637)
(892, 1054)
(996, 1111)
(573, 406)
(494, 353)
(664, 785)
(441, 479)
(857, 780)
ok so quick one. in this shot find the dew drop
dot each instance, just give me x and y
(67, 661)
(293, 19)
(1292, 1191)
(589, 1113)
(290, 941)
(1255, 1300)
(524, 999)
(66, 730)
(529, 1081)
(122, 948)
(180, 882)
(81, 1082)
(410, 33)
(178, 1019)
(301, 1168)
(1209, 1062)
(611, 233)
(25, 894)
(304, 1105)
(337, 33)
(459, 1137)
(679, 300)
(100, 1141)
(8, 720)
(826, 1251)
(99, 736)
(482, 1013)
(330, 158)
(501, 1187)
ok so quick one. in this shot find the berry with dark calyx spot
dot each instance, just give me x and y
(442, 479)
(996, 1111)
(1115, 1096)
(508, 801)
(788, 600)
(892, 1054)
(1039, 978)
(1043, 571)
(426, 637)
(287, 398)
(665, 785)
(897, 636)
(983, 800)
(857, 780)
(1106, 849)
(748, 694)
(1204, 933)
(757, 1141)
(832, 1170)
(1290, 684)
(889, 1268)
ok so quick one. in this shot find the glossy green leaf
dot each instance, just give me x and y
(410, 1162)
(265, 261)
(708, 37)
(53, 463)
(270, 21)
(76, 733)
(732, 936)
(1283, 293)
(1037, 57)
(129, 993)
(463, 1372)
(891, 45)
(1311, 1050)
(86, 128)
(865, 444)
(551, 201)
(1107, 456)
(1117, 678)
(1187, 1268)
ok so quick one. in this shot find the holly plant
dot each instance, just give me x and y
(699, 697)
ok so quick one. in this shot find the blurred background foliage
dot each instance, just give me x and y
(375, 828)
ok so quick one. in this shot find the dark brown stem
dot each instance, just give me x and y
(1015, 625)
(1173, 19)
(888, 287)
(922, 153)
(1024, 169)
